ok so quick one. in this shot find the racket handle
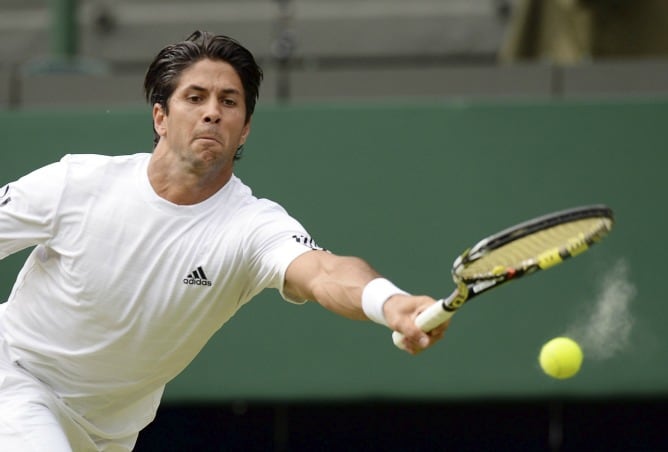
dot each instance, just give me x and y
(427, 320)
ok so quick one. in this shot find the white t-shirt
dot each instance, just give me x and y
(125, 288)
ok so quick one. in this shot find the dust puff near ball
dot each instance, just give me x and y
(561, 358)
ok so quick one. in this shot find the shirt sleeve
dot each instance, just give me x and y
(28, 207)
(276, 239)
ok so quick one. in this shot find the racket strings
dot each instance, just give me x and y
(564, 239)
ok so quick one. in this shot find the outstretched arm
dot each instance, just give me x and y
(337, 283)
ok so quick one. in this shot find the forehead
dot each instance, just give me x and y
(212, 75)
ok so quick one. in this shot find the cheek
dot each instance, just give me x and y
(176, 129)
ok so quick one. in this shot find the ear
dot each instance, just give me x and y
(245, 132)
(159, 123)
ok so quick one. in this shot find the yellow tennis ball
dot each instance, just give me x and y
(561, 357)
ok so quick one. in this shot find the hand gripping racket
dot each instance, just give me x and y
(518, 251)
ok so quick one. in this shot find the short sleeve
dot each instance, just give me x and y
(276, 239)
(28, 207)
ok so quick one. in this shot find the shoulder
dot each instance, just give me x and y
(74, 176)
(89, 172)
(91, 163)
(248, 202)
(254, 206)
(255, 215)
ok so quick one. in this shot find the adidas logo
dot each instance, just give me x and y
(4, 197)
(197, 278)
(307, 241)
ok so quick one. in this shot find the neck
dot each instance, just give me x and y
(181, 183)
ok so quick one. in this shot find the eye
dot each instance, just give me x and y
(229, 102)
(194, 98)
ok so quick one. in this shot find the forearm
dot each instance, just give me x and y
(335, 282)
(338, 284)
(340, 287)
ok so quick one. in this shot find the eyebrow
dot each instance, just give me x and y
(223, 91)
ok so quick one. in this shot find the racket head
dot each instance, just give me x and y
(516, 251)
(533, 245)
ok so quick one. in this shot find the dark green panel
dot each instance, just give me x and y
(408, 187)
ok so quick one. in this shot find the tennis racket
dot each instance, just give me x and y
(521, 250)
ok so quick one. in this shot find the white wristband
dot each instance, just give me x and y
(374, 296)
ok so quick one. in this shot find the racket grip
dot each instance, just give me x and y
(427, 320)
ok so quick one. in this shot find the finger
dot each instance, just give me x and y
(415, 344)
(440, 330)
(420, 341)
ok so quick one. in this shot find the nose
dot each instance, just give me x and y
(212, 114)
(212, 118)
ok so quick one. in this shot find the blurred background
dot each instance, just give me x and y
(324, 50)
(400, 131)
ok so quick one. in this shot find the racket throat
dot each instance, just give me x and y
(457, 298)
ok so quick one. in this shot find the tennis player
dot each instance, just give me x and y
(139, 259)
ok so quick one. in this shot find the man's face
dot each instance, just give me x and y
(207, 116)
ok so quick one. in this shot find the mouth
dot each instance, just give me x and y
(212, 138)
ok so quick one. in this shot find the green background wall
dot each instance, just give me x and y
(408, 187)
